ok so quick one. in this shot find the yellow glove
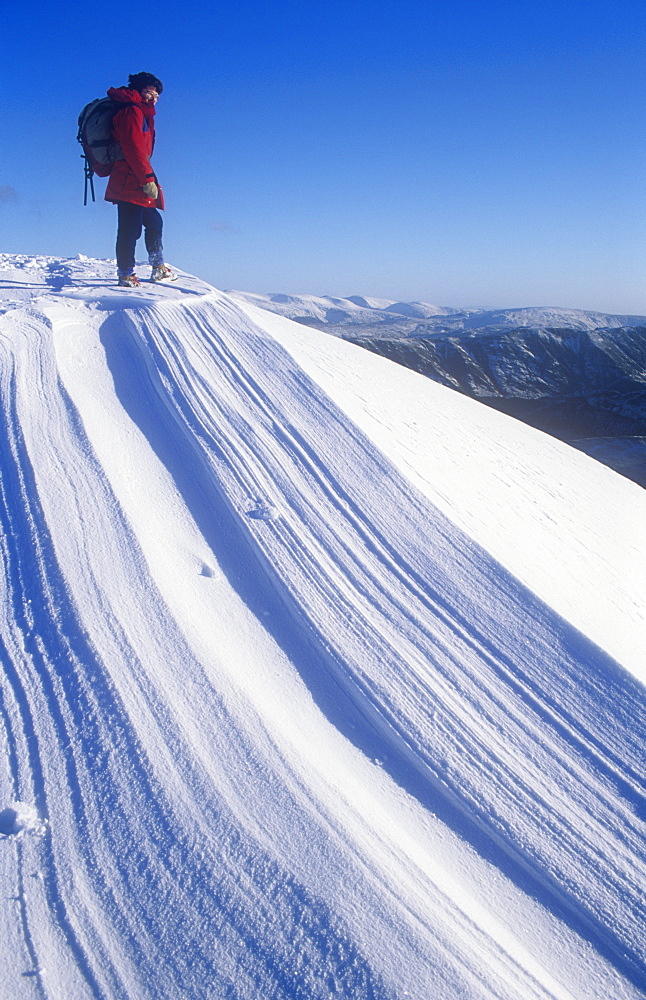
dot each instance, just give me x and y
(151, 190)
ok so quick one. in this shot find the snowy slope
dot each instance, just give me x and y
(320, 680)
(577, 375)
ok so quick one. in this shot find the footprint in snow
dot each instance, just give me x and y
(262, 511)
(20, 819)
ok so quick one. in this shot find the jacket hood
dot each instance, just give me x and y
(124, 95)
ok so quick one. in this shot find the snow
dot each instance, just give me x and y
(20, 819)
(320, 680)
(554, 509)
(398, 317)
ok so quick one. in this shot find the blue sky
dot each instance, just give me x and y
(457, 152)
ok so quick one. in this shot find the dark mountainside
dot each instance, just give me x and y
(586, 388)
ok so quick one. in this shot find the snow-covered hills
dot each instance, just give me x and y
(320, 679)
(578, 375)
(388, 318)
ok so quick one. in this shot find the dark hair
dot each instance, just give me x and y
(139, 81)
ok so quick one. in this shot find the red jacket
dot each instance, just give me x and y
(134, 128)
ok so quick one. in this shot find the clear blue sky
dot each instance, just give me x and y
(459, 152)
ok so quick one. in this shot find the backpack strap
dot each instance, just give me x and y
(89, 178)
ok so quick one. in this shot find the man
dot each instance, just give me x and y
(133, 185)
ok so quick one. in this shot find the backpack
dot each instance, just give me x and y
(95, 135)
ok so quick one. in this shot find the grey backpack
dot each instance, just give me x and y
(95, 135)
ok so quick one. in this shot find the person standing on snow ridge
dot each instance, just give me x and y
(133, 185)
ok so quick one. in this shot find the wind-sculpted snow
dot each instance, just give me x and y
(586, 388)
(574, 374)
(293, 706)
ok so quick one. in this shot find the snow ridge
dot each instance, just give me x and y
(578, 375)
(282, 716)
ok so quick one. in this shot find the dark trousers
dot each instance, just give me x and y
(132, 219)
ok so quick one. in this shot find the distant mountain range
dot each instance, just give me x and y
(421, 318)
(577, 375)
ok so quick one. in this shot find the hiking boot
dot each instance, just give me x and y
(129, 281)
(162, 272)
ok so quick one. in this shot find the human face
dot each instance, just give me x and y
(149, 95)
